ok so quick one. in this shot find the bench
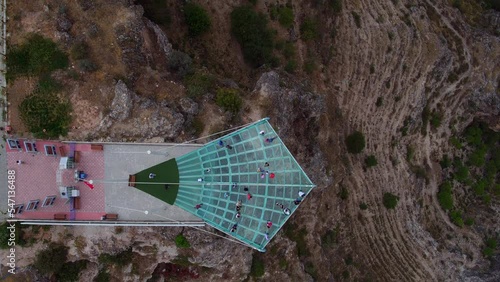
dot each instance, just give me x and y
(96, 147)
(60, 216)
(111, 216)
(131, 180)
(77, 156)
(76, 203)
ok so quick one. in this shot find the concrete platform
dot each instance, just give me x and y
(129, 203)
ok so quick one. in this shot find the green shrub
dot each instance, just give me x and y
(299, 237)
(197, 19)
(473, 135)
(329, 239)
(488, 252)
(102, 276)
(344, 193)
(456, 142)
(390, 200)
(445, 162)
(363, 206)
(52, 259)
(477, 157)
(469, 221)
(336, 6)
(5, 235)
(456, 218)
(492, 243)
(436, 118)
(445, 197)
(479, 187)
(198, 84)
(410, 153)
(309, 29)
(36, 56)
(44, 112)
(370, 161)
(357, 19)
(461, 172)
(291, 66)
(310, 269)
(229, 100)
(70, 271)
(181, 241)
(355, 142)
(79, 51)
(379, 102)
(180, 63)
(257, 269)
(251, 31)
(285, 17)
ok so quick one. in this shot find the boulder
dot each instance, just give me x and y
(122, 102)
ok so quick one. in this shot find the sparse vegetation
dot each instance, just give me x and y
(285, 16)
(198, 84)
(229, 99)
(36, 56)
(355, 142)
(121, 259)
(197, 19)
(257, 269)
(329, 239)
(309, 29)
(181, 241)
(251, 31)
(79, 51)
(390, 200)
(44, 112)
(51, 260)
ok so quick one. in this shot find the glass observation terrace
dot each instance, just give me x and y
(245, 184)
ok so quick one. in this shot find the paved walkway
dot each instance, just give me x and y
(3, 105)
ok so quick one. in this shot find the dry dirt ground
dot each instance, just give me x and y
(409, 53)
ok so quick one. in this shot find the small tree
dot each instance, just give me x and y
(197, 19)
(445, 197)
(371, 161)
(51, 260)
(390, 200)
(285, 17)
(229, 100)
(181, 241)
(355, 142)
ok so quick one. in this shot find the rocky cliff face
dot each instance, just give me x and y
(380, 64)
